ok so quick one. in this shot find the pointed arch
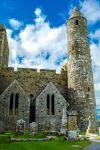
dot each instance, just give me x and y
(48, 104)
(52, 104)
(11, 104)
(16, 103)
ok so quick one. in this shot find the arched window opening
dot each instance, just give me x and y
(11, 104)
(31, 95)
(76, 22)
(48, 104)
(72, 47)
(89, 89)
(16, 103)
(52, 108)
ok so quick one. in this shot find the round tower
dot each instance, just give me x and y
(80, 77)
(4, 49)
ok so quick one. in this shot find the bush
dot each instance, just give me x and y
(41, 134)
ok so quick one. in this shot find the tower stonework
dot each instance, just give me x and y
(80, 77)
(4, 49)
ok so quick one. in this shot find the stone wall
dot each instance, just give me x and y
(10, 116)
(32, 82)
(46, 118)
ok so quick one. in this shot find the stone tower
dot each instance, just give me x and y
(80, 77)
(4, 50)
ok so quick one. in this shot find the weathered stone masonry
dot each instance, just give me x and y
(25, 92)
(80, 78)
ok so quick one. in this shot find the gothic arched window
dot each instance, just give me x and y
(48, 104)
(16, 103)
(52, 104)
(11, 104)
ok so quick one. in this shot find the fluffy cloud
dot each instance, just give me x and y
(95, 35)
(15, 24)
(95, 53)
(91, 9)
(38, 45)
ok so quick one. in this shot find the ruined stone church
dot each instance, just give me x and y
(41, 96)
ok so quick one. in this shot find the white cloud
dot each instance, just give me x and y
(36, 42)
(95, 35)
(15, 23)
(38, 12)
(91, 9)
(95, 53)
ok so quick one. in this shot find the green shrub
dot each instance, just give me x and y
(41, 134)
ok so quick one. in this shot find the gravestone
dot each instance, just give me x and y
(52, 125)
(20, 127)
(64, 122)
(73, 132)
(33, 128)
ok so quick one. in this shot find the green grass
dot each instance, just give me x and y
(98, 138)
(13, 134)
(82, 133)
(59, 144)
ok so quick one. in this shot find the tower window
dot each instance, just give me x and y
(76, 22)
(31, 95)
(89, 89)
(72, 47)
(11, 104)
(16, 103)
(48, 104)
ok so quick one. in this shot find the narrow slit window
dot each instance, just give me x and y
(52, 108)
(72, 47)
(48, 104)
(16, 103)
(11, 104)
(89, 89)
(76, 22)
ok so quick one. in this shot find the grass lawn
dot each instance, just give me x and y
(58, 144)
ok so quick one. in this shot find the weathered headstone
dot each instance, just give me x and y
(52, 125)
(20, 127)
(2, 127)
(64, 122)
(72, 125)
(33, 128)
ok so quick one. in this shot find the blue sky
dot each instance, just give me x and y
(37, 35)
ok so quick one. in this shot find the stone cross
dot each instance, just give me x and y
(64, 122)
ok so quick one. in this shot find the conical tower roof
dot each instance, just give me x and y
(76, 13)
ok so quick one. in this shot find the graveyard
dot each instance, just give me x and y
(58, 143)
